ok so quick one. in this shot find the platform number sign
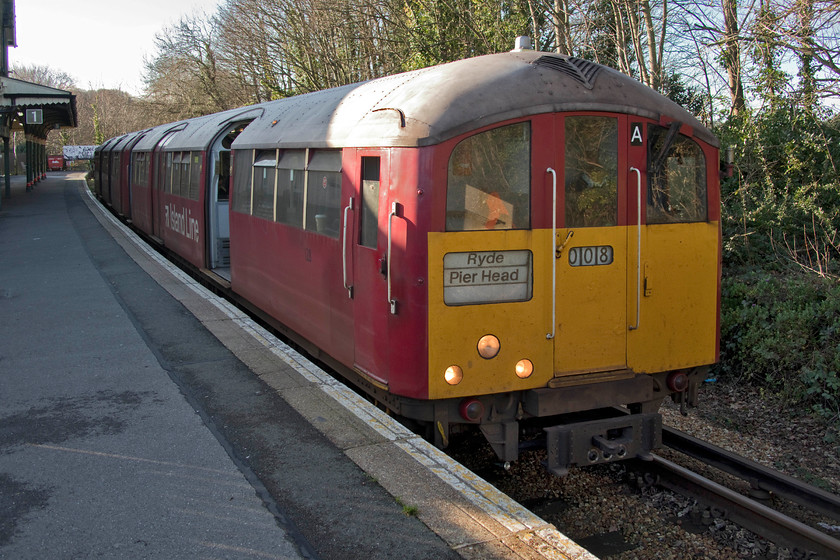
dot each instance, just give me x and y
(34, 116)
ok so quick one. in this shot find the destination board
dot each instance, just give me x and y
(487, 277)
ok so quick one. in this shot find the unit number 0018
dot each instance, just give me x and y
(591, 256)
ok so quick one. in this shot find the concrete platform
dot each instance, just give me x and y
(141, 416)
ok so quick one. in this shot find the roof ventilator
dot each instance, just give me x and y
(581, 70)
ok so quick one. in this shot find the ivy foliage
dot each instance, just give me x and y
(782, 207)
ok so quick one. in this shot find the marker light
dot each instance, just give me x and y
(471, 410)
(677, 381)
(453, 375)
(488, 346)
(524, 369)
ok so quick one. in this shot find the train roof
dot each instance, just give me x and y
(200, 132)
(104, 145)
(117, 143)
(429, 106)
(197, 133)
(154, 135)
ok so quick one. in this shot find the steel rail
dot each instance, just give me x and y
(745, 511)
(757, 475)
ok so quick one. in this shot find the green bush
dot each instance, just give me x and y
(781, 333)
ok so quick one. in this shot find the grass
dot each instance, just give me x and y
(408, 511)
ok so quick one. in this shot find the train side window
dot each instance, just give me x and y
(265, 169)
(136, 163)
(195, 175)
(142, 169)
(176, 173)
(222, 189)
(115, 169)
(290, 187)
(489, 180)
(370, 202)
(676, 178)
(242, 160)
(323, 192)
(185, 174)
(591, 171)
(167, 184)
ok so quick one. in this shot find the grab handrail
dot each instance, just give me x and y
(550, 335)
(638, 246)
(391, 301)
(347, 287)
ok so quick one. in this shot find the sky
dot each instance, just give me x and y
(101, 43)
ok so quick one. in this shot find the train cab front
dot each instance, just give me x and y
(575, 283)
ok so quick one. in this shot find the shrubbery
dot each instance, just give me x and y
(781, 332)
(780, 307)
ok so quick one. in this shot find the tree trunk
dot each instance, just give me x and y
(732, 56)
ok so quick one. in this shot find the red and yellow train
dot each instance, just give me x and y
(515, 240)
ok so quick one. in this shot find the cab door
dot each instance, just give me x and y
(591, 244)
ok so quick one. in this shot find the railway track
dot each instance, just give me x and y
(749, 511)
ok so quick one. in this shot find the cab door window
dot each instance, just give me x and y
(489, 180)
(591, 171)
(676, 177)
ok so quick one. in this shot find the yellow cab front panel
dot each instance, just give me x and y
(613, 269)
(475, 262)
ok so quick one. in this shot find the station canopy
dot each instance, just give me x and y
(35, 108)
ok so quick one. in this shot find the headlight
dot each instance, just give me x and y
(488, 346)
(524, 369)
(453, 375)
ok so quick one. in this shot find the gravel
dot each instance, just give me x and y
(613, 519)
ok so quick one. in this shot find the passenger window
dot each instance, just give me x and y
(489, 181)
(290, 187)
(242, 160)
(265, 165)
(676, 177)
(136, 166)
(195, 175)
(167, 187)
(591, 172)
(370, 202)
(185, 175)
(223, 188)
(115, 169)
(143, 169)
(176, 174)
(323, 192)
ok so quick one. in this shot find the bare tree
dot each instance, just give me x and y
(185, 78)
(810, 29)
(44, 75)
